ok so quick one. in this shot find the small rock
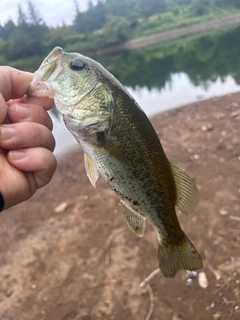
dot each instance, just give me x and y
(202, 280)
(220, 116)
(176, 317)
(217, 315)
(107, 302)
(61, 207)
(235, 114)
(235, 104)
(207, 127)
(34, 287)
(223, 212)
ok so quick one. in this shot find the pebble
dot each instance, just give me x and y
(207, 127)
(220, 116)
(61, 207)
(235, 114)
(223, 212)
(202, 280)
(217, 315)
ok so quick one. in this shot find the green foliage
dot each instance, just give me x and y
(90, 20)
(200, 8)
(7, 30)
(105, 23)
(116, 30)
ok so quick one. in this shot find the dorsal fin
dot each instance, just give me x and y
(187, 191)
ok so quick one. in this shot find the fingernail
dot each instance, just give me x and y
(23, 111)
(6, 132)
(17, 154)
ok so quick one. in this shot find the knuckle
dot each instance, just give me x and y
(37, 132)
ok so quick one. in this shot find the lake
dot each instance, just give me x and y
(171, 74)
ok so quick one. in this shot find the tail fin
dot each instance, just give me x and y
(185, 256)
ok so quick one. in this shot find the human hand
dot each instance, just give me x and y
(26, 142)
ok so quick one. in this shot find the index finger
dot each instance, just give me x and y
(14, 83)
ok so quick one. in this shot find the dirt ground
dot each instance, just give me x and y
(67, 254)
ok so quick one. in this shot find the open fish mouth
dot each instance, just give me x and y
(48, 71)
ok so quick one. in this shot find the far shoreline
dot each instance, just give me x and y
(136, 43)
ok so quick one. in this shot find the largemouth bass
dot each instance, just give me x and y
(120, 143)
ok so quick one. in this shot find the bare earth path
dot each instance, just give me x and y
(168, 35)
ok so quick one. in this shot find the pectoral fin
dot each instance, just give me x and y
(112, 149)
(187, 191)
(91, 170)
(134, 220)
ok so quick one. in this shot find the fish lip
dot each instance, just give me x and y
(56, 53)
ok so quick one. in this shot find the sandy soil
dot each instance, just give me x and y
(54, 264)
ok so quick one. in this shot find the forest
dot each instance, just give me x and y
(25, 43)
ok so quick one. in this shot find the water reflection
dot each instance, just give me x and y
(203, 59)
(166, 76)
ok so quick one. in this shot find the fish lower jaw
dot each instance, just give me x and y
(40, 89)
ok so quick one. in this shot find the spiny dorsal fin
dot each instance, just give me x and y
(134, 220)
(91, 170)
(187, 191)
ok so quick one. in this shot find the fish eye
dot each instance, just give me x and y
(77, 65)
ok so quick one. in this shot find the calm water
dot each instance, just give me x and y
(166, 76)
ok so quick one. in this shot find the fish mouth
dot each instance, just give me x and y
(41, 82)
(54, 55)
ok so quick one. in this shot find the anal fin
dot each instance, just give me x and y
(134, 220)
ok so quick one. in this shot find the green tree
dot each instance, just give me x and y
(88, 21)
(28, 38)
(200, 8)
(33, 15)
(22, 19)
(116, 30)
(7, 29)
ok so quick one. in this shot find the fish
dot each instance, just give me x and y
(120, 143)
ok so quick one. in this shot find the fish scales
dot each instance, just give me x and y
(141, 145)
(120, 143)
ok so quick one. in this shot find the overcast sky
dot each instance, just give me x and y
(53, 12)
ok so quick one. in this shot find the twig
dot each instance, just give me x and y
(229, 301)
(147, 285)
(235, 218)
(149, 278)
(150, 312)
(235, 230)
(108, 244)
(210, 267)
